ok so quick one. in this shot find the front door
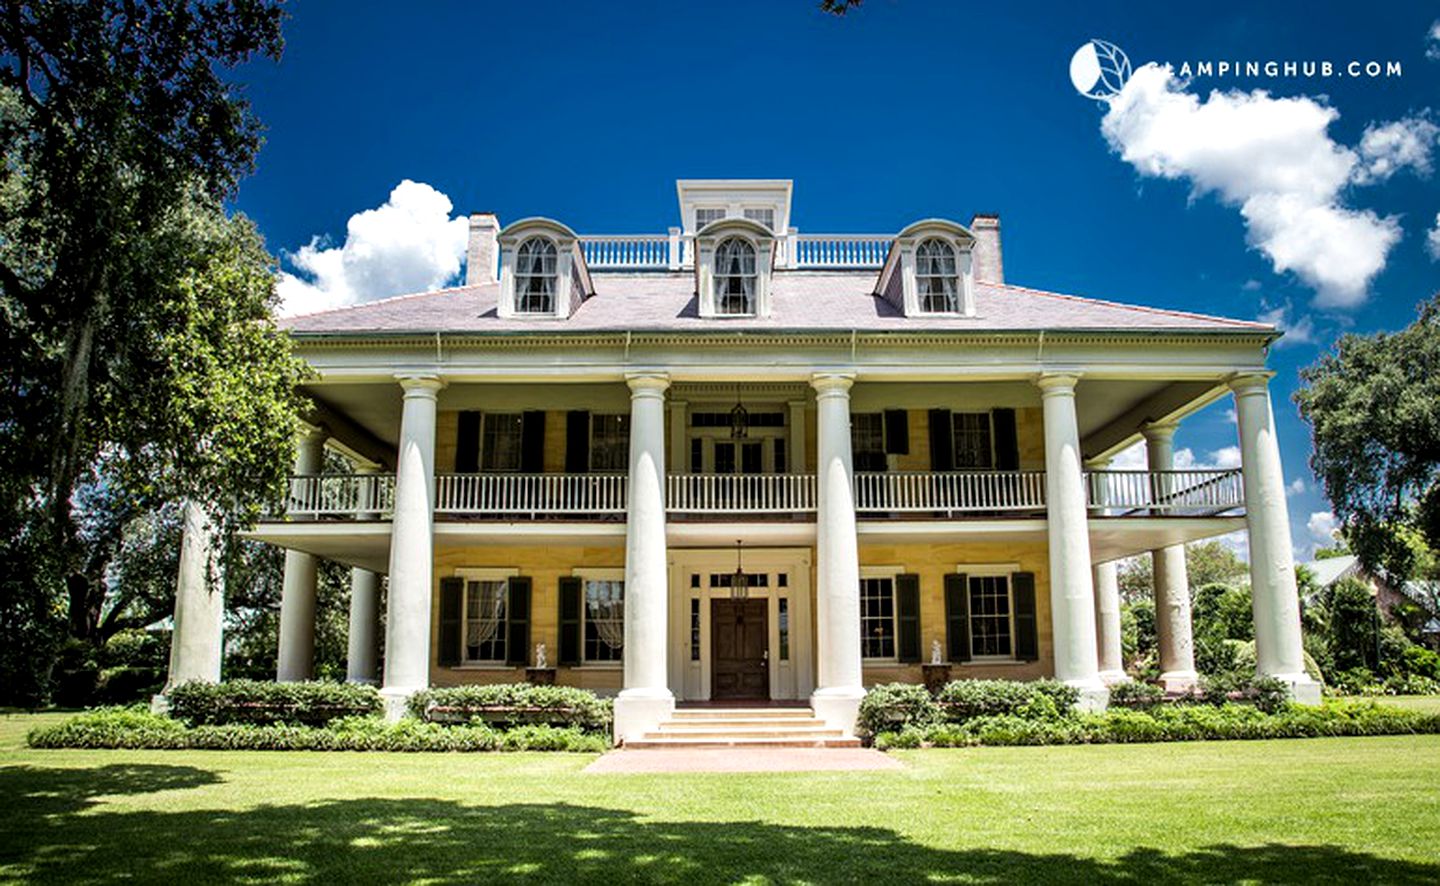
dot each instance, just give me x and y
(739, 634)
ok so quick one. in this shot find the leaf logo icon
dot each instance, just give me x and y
(1099, 69)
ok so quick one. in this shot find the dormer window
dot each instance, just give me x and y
(735, 277)
(936, 281)
(765, 217)
(704, 215)
(535, 277)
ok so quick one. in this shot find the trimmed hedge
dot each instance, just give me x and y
(135, 728)
(256, 702)
(513, 705)
(963, 700)
(895, 706)
(1171, 723)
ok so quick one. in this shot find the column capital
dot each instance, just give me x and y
(832, 384)
(647, 384)
(1250, 382)
(420, 384)
(1163, 432)
(1057, 384)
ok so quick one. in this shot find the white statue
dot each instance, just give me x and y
(540, 655)
(935, 652)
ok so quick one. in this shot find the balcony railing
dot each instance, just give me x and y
(1168, 493)
(839, 250)
(740, 493)
(535, 496)
(675, 251)
(951, 492)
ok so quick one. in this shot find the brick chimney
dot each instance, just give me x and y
(989, 267)
(482, 254)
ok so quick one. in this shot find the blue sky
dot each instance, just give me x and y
(901, 110)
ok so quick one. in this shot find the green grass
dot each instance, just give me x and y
(1427, 703)
(1316, 810)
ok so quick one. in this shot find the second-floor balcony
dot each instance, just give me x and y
(894, 495)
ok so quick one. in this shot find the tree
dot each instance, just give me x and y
(1373, 404)
(1206, 563)
(1354, 622)
(143, 365)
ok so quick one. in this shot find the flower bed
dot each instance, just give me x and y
(257, 702)
(514, 705)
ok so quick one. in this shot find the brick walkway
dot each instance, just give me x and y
(743, 760)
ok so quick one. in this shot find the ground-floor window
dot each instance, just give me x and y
(484, 628)
(604, 619)
(991, 628)
(877, 617)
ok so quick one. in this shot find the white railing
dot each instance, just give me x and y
(951, 491)
(839, 250)
(353, 496)
(630, 252)
(1200, 492)
(740, 493)
(533, 494)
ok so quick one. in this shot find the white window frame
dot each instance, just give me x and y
(588, 574)
(723, 210)
(989, 570)
(989, 433)
(750, 212)
(554, 276)
(519, 454)
(957, 295)
(591, 463)
(892, 574)
(469, 574)
(753, 298)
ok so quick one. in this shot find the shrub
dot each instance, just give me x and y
(895, 706)
(1411, 684)
(1421, 662)
(511, 705)
(1268, 694)
(1136, 694)
(259, 703)
(963, 700)
(112, 727)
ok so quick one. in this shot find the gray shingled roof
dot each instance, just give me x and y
(800, 301)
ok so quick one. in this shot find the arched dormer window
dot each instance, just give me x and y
(936, 280)
(535, 276)
(735, 277)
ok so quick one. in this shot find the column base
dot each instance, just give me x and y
(363, 681)
(397, 701)
(1094, 695)
(838, 706)
(1179, 681)
(638, 711)
(1114, 678)
(159, 704)
(1303, 688)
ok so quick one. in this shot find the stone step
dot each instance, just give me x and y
(759, 732)
(739, 713)
(743, 723)
(732, 742)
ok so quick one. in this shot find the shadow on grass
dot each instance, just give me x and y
(50, 832)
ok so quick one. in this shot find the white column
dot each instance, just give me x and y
(797, 443)
(839, 681)
(196, 641)
(296, 659)
(1173, 633)
(646, 698)
(1072, 592)
(364, 638)
(407, 624)
(1109, 648)
(1276, 602)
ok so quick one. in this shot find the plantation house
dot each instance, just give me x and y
(734, 462)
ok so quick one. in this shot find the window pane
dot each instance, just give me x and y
(609, 442)
(735, 277)
(989, 615)
(784, 628)
(485, 621)
(867, 441)
(936, 280)
(877, 617)
(500, 441)
(604, 619)
(724, 458)
(694, 624)
(535, 277)
(706, 215)
(765, 217)
(972, 440)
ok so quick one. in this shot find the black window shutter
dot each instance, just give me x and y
(532, 442)
(452, 604)
(1027, 639)
(577, 441)
(942, 441)
(467, 443)
(907, 618)
(570, 593)
(897, 432)
(957, 617)
(1007, 442)
(517, 617)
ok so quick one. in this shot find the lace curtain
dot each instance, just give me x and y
(735, 277)
(535, 276)
(935, 276)
(485, 612)
(605, 609)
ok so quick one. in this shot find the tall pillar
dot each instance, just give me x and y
(407, 624)
(839, 682)
(296, 659)
(1110, 651)
(1276, 601)
(364, 638)
(1173, 631)
(646, 698)
(195, 642)
(1072, 592)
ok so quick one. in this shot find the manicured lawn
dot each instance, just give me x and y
(1317, 810)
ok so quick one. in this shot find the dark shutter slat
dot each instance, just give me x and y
(907, 618)
(957, 617)
(897, 432)
(1027, 639)
(452, 606)
(577, 441)
(467, 443)
(1007, 442)
(517, 617)
(570, 593)
(532, 442)
(942, 441)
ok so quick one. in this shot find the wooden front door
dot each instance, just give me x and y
(739, 639)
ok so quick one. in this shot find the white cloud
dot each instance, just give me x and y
(1322, 526)
(1388, 148)
(1296, 487)
(1251, 285)
(1432, 239)
(1299, 331)
(1131, 459)
(1432, 42)
(1230, 416)
(1184, 459)
(1239, 542)
(409, 243)
(1270, 157)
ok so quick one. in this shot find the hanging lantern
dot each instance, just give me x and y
(739, 419)
(739, 582)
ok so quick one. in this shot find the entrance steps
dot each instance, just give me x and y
(744, 728)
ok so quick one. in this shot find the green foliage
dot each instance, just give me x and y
(258, 702)
(1354, 622)
(1136, 694)
(962, 700)
(894, 706)
(1421, 662)
(112, 727)
(1221, 615)
(511, 705)
(1140, 614)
